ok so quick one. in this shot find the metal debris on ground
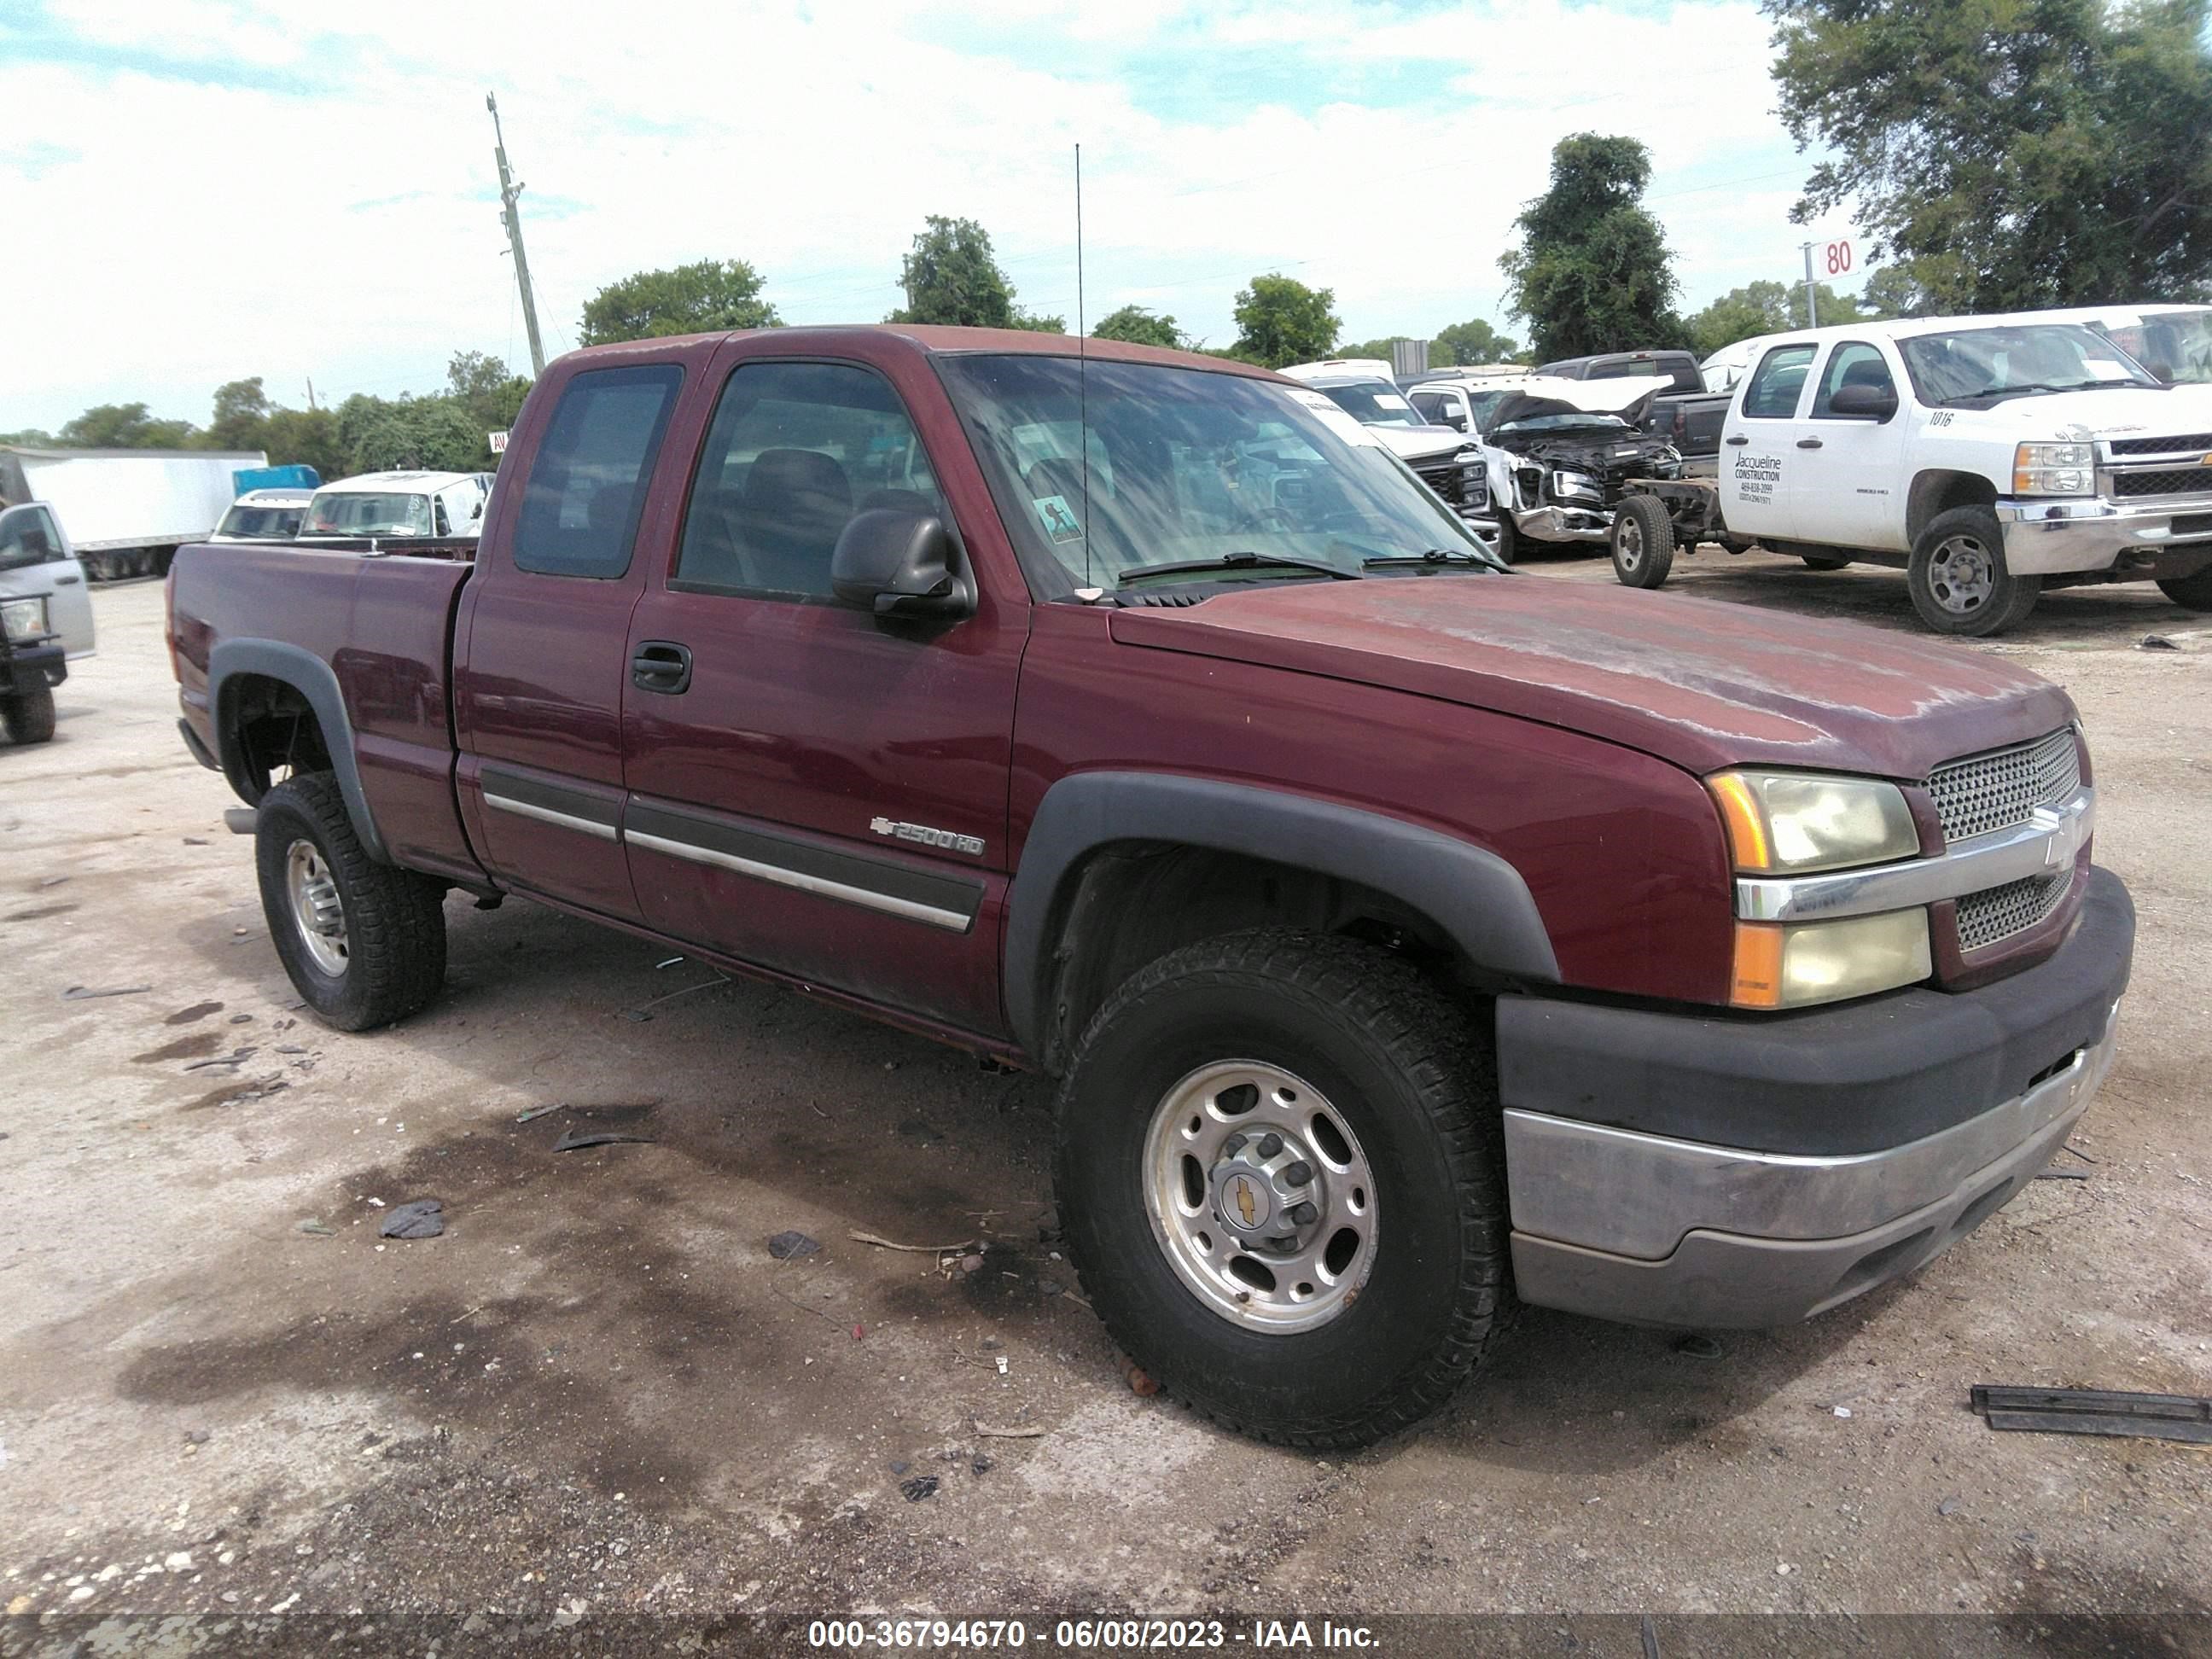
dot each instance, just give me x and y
(921, 1487)
(576, 1138)
(530, 1113)
(2063, 1175)
(424, 1218)
(1698, 1345)
(785, 1245)
(962, 1248)
(2156, 642)
(316, 1228)
(84, 993)
(237, 1059)
(2095, 1411)
(1006, 1431)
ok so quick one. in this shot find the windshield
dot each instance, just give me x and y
(260, 523)
(1373, 402)
(1572, 417)
(365, 513)
(1187, 466)
(1974, 365)
(2174, 345)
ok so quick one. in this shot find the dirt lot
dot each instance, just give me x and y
(598, 1388)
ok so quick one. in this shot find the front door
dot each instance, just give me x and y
(811, 788)
(1856, 465)
(1759, 460)
(540, 666)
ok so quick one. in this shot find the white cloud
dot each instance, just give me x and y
(222, 189)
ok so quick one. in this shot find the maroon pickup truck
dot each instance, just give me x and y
(1398, 950)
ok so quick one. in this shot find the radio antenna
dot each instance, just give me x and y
(1082, 373)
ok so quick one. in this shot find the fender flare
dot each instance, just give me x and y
(1474, 895)
(313, 679)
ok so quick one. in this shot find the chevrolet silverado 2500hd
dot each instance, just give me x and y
(1992, 458)
(1405, 933)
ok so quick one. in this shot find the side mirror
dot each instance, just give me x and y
(898, 564)
(1454, 419)
(1863, 403)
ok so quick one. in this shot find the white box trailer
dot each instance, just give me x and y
(125, 511)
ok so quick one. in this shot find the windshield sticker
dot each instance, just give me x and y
(2104, 368)
(1333, 417)
(1059, 522)
(1390, 400)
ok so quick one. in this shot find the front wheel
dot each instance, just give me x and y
(1509, 538)
(1279, 1170)
(28, 715)
(1959, 580)
(363, 942)
(1643, 541)
(2191, 593)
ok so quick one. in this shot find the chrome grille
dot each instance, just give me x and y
(1455, 482)
(1995, 791)
(2172, 481)
(1996, 914)
(2178, 446)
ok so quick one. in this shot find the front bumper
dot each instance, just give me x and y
(1675, 1169)
(1565, 524)
(22, 665)
(2055, 538)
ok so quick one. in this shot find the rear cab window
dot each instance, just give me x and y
(1777, 383)
(586, 486)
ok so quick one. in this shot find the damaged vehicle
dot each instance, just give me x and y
(1443, 457)
(1559, 454)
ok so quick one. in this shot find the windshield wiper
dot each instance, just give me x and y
(2025, 386)
(1434, 556)
(1235, 561)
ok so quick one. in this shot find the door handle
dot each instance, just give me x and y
(1808, 443)
(661, 665)
(67, 581)
(1739, 439)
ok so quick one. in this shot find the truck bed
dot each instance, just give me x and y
(381, 626)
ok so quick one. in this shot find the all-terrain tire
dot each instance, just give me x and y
(1959, 580)
(1414, 1083)
(1643, 541)
(393, 920)
(2192, 592)
(28, 715)
(1509, 538)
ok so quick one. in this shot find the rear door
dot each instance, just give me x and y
(540, 661)
(1759, 459)
(813, 789)
(1850, 490)
(35, 563)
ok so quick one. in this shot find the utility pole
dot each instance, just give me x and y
(510, 192)
(1811, 320)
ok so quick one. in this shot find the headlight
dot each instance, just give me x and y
(24, 619)
(2054, 470)
(1576, 483)
(1792, 964)
(1474, 483)
(1790, 823)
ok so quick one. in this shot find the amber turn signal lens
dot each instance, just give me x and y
(1756, 981)
(1746, 822)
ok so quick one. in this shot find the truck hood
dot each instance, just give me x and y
(2081, 416)
(1548, 394)
(1422, 443)
(1694, 681)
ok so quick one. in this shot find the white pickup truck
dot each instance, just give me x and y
(1991, 457)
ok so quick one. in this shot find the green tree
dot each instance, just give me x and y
(1280, 320)
(493, 396)
(951, 278)
(1138, 327)
(30, 437)
(123, 426)
(1472, 341)
(240, 416)
(2019, 153)
(705, 297)
(378, 435)
(1593, 272)
(305, 437)
(1896, 290)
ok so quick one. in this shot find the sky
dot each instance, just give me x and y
(202, 189)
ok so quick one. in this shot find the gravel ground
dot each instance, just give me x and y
(599, 1391)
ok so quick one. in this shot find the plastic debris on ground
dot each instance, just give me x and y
(424, 1218)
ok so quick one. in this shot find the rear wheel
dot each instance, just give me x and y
(1279, 1171)
(363, 942)
(27, 713)
(2191, 593)
(1643, 541)
(1959, 580)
